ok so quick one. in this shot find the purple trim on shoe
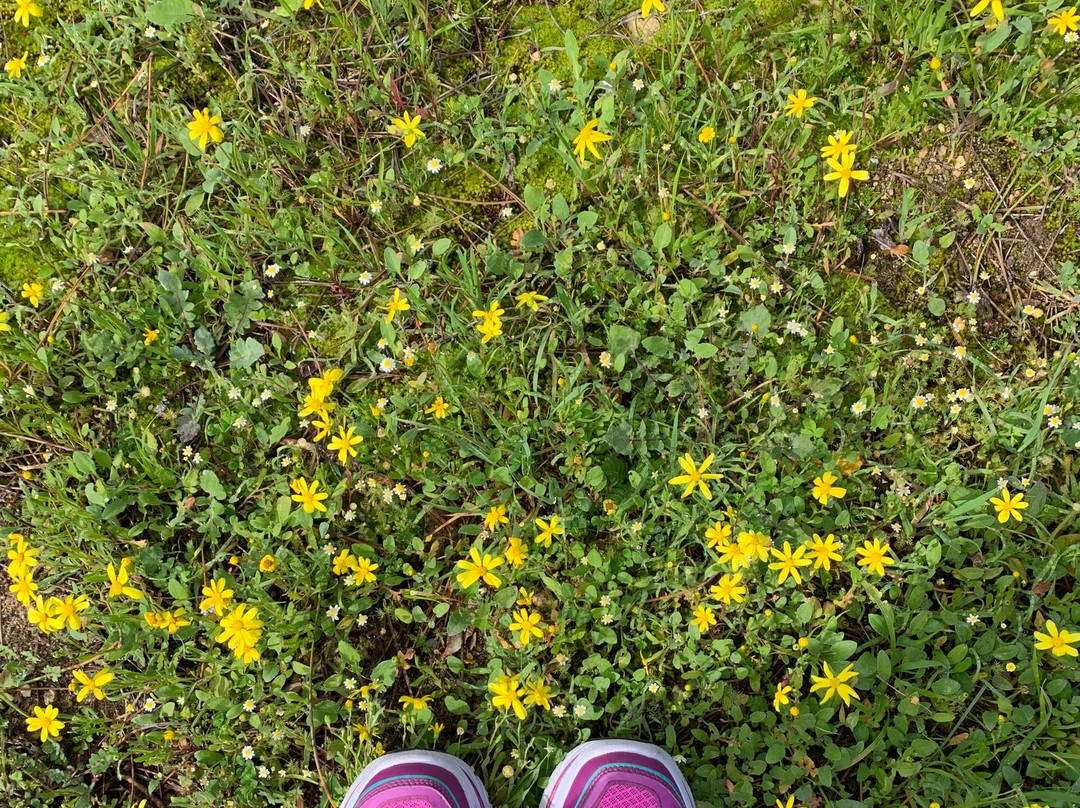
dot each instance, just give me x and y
(396, 776)
(643, 770)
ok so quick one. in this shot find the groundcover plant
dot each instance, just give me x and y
(488, 376)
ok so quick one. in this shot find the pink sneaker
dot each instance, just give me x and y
(416, 779)
(617, 774)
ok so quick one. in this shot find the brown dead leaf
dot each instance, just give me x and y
(1041, 588)
(515, 237)
(900, 249)
(959, 738)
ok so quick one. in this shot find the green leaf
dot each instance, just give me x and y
(245, 352)
(618, 437)
(534, 198)
(659, 346)
(622, 339)
(705, 350)
(178, 590)
(349, 655)
(662, 237)
(936, 306)
(210, 483)
(573, 52)
(441, 246)
(758, 316)
(533, 240)
(170, 13)
(560, 208)
(995, 39)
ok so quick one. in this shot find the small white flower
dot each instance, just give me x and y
(272, 270)
(605, 360)
(264, 772)
(554, 85)
(365, 278)
(149, 32)
(636, 527)
(334, 612)
(506, 212)
(110, 405)
(858, 408)
(919, 402)
(434, 165)
(376, 206)
(580, 710)
(249, 706)
(150, 705)
(304, 130)
(702, 413)
(969, 183)
(247, 753)
(639, 84)
(350, 683)
(42, 60)
(787, 249)
(1071, 37)
(654, 687)
(607, 619)
(973, 619)
(234, 394)
(416, 245)
(974, 297)
(361, 620)
(387, 365)
(558, 711)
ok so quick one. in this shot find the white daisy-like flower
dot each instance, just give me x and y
(919, 402)
(247, 753)
(110, 405)
(506, 212)
(554, 85)
(434, 165)
(361, 620)
(416, 245)
(969, 183)
(636, 527)
(150, 705)
(787, 248)
(639, 84)
(272, 270)
(654, 687)
(858, 408)
(264, 772)
(376, 206)
(304, 130)
(42, 60)
(558, 711)
(387, 365)
(365, 278)
(960, 352)
(580, 710)
(605, 359)
(973, 619)
(974, 297)
(149, 32)
(249, 706)
(1071, 37)
(334, 612)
